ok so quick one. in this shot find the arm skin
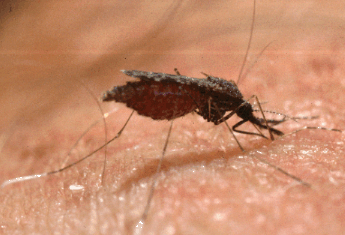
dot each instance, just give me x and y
(207, 186)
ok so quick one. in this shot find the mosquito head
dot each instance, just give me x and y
(245, 111)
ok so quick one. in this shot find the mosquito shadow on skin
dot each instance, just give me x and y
(172, 161)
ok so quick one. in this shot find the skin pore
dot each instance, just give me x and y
(207, 185)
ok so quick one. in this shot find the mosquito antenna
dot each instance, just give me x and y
(35, 176)
(249, 43)
(147, 207)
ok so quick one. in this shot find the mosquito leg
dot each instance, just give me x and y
(227, 125)
(30, 177)
(147, 207)
(176, 71)
(284, 172)
(209, 108)
(84, 133)
(105, 126)
(266, 162)
(249, 44)
(312, 128)
(263, 115)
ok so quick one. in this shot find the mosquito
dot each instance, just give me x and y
(162, 96)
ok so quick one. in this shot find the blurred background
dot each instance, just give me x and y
(47, 47)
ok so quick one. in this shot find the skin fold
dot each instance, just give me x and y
(51, 50)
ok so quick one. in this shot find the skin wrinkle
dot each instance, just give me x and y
(207, 184)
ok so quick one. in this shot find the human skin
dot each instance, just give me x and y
(207, 185)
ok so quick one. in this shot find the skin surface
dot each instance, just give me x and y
(207, 185)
